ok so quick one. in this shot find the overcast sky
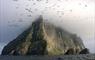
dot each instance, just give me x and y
(76, 16)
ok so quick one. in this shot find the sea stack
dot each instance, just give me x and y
(44, 38)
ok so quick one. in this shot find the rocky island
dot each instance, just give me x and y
(44, 38)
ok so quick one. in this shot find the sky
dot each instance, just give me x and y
(75, 16)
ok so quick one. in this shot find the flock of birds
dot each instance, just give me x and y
(61, 12)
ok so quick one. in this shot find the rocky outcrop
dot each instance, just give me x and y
(43, 38)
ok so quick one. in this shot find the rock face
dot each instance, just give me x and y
(43, 38)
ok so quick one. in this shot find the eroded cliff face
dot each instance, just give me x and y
(43, 38)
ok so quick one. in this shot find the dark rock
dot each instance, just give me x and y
(43, 38)
(84, 51)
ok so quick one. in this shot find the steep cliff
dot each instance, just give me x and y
(43, 38)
